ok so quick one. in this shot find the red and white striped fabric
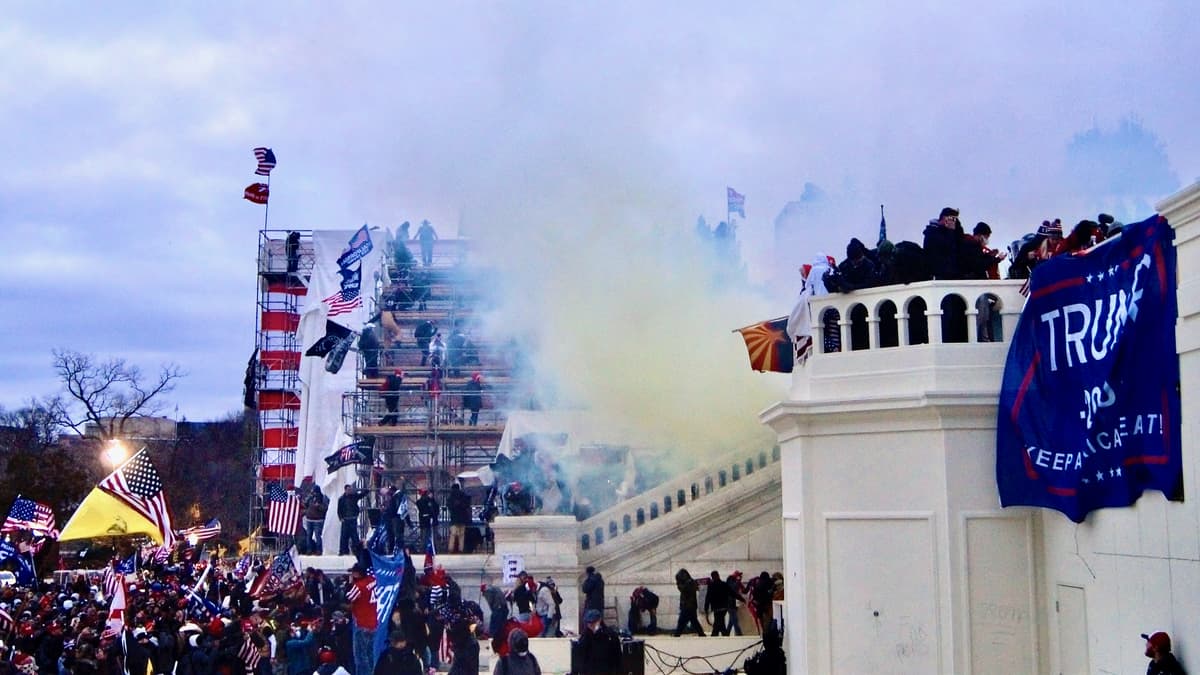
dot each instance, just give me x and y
(445, 649)
(249, 654)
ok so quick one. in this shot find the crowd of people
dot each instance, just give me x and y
(722, 599)
(948, 252)
(192, 615)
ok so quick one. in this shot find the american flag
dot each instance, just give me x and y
(249, 654)
(137, 484)
(736, 202)
(6, 622)
(116, 613)
(110, 580)
(339, 304)
(283, 510)
(27, 514)
(162, 554)
(266, 161)
(204, 532)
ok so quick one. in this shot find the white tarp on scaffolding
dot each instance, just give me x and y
(345, 266)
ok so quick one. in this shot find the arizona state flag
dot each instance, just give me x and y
(103, 515)
(768, 345)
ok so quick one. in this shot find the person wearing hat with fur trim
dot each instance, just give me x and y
(1162, 661)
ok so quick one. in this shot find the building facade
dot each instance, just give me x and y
(898, 556)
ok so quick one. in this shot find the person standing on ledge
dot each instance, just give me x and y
(426, 235)
(347, 511)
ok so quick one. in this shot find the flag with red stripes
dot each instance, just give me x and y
(137, 484)
(283, 510)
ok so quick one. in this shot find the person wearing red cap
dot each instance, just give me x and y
(473, 399)
(1162, 661)
(327, 663)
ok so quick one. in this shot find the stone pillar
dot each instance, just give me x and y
(549, 546)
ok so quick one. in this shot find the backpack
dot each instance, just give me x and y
(909, 263)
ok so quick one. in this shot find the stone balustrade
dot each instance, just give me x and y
(671, 495)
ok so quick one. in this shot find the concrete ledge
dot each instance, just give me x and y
(663, 653)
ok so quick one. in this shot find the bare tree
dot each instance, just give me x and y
(107, 394)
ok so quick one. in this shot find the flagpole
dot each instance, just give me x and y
(267, 205)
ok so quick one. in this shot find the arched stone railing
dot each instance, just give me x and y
(929, 312)
(661, 500)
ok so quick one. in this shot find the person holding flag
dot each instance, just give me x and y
(363, 612)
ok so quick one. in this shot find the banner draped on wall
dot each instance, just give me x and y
(1089, 413)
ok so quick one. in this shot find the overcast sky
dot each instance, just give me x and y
(128, 129)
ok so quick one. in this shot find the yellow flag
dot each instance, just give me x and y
(103, 515)
(245, 544)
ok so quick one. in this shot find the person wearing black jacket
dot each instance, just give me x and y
(427, 516)
(718, 599)
(391, 397)
(347, 511)
(688, 603)
(423, 334)
(593, 590)
(473, 399)
(942, 244)
(459, 505)
(599, 648)
(398, 659)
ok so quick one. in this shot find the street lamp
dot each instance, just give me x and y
(115, 452)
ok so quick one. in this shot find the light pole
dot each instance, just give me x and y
(115, 452)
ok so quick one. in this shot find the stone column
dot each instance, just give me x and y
(549, 546)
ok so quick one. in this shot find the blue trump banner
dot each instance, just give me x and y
(388, 570)
(1089, 413)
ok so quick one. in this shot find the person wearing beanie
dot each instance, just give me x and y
(857, 270)
(518, 660)
(398, 658)
(941, 244)
(1162, 661)
(599, 647)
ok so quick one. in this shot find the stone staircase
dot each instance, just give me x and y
(724, 516)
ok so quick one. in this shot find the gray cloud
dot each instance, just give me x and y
(123, 230)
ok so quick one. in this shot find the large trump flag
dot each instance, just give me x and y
(1089, 413)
